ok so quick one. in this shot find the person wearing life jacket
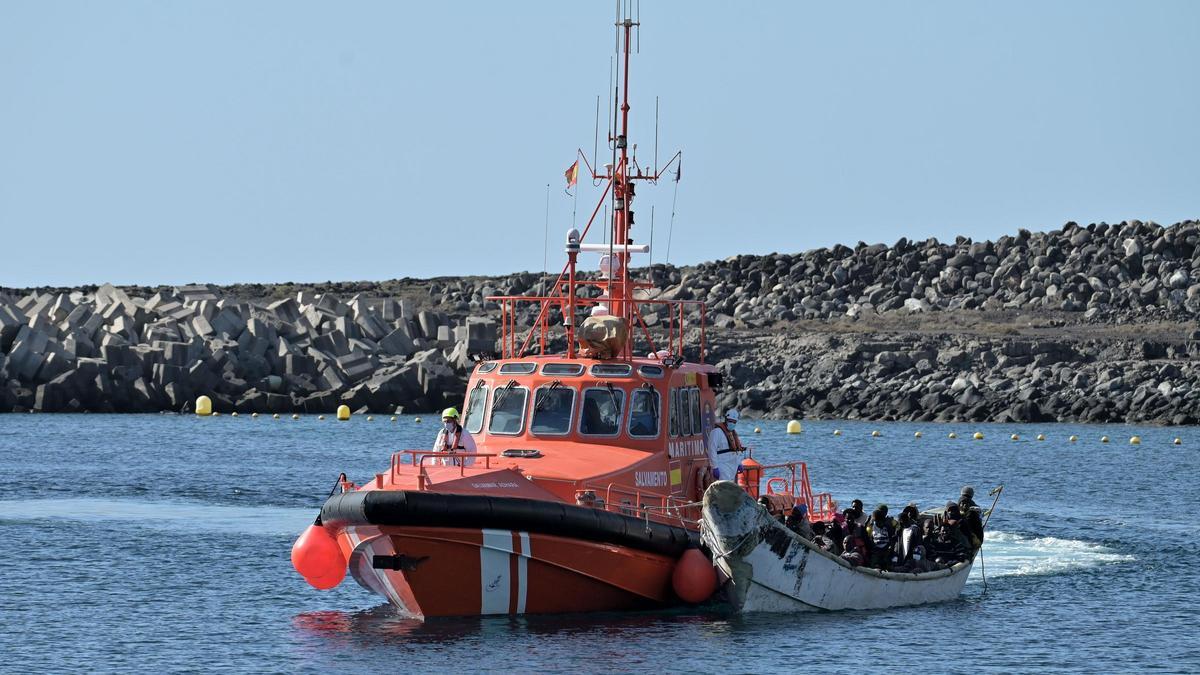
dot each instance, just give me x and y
(725, 449)
(452, 437)
(908, 536)
(881, 534)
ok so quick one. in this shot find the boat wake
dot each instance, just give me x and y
(174, 515)
(1014, 555)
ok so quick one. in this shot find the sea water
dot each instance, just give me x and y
(161, 542)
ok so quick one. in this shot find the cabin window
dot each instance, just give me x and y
(552, 410)
(674, 412)
(651, 371)
(685, 417)
(562, 369)
(601, 415)
(644, 411)
(508, 411)
(476, 402)
(694, 396)
(517, 368)
(486, 367)
(612, 370)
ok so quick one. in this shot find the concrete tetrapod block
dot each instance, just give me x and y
(398, 343)
(197, 292)
(10, 324)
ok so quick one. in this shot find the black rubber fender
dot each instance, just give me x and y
(436, 509)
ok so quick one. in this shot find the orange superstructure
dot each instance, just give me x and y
(590, 427)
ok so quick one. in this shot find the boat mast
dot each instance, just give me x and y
(623, 192)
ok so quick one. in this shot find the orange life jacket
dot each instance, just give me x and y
(446, 446)
(731, 438)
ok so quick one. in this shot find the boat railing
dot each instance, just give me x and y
(634, 501)
(418, 457)
(516, 342)
(794, 483)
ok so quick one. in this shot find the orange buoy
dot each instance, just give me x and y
(750, 476)
(318, 558)
(694, 578)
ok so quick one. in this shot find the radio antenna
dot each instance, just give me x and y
(596, 143)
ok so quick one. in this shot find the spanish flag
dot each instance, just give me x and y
(572, 174)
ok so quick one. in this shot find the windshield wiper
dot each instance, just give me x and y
(544, 397)
(613, 395)
(498, 399)
(654, 399)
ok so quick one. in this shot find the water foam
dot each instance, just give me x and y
(1007, 554)
(175, 515)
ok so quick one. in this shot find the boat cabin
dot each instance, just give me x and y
(577, 425)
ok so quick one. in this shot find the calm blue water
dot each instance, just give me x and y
(154, 543)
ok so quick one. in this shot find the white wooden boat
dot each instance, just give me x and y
(771, 569)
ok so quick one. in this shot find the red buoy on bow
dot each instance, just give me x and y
(694, 578)
(318, 558)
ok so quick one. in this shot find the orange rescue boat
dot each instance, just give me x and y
(583, 492)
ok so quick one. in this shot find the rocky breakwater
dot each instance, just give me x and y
(104, 350)
(1091, 323)
(1094, 323)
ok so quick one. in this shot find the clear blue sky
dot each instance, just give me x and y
(171, 142)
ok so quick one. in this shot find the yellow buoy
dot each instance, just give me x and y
(393, 418)
(203, 406)
(370, 419)
(952, 435)
(1014, 437)
(794, 427)
(1178, 441)
(1104, 439)
(1041, 437)
(275, 416)
(1136, 440)
(343, 413)
(1073, 438)
(978, 436)
(837, 432)
(916, 434)
(234, 413)
(875, 434)
(320, 418)
(757, 430)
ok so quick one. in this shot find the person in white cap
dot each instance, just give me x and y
(725, 450)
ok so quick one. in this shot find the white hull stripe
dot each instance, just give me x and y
(495, 571)
(494, 576)
(523, 573)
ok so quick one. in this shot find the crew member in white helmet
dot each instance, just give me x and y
(725, 450)
(452, 437)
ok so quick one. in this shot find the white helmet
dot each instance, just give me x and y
(732, 416)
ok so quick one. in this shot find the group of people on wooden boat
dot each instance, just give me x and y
(914, 542)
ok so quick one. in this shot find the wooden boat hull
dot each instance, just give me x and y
(771, 569)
